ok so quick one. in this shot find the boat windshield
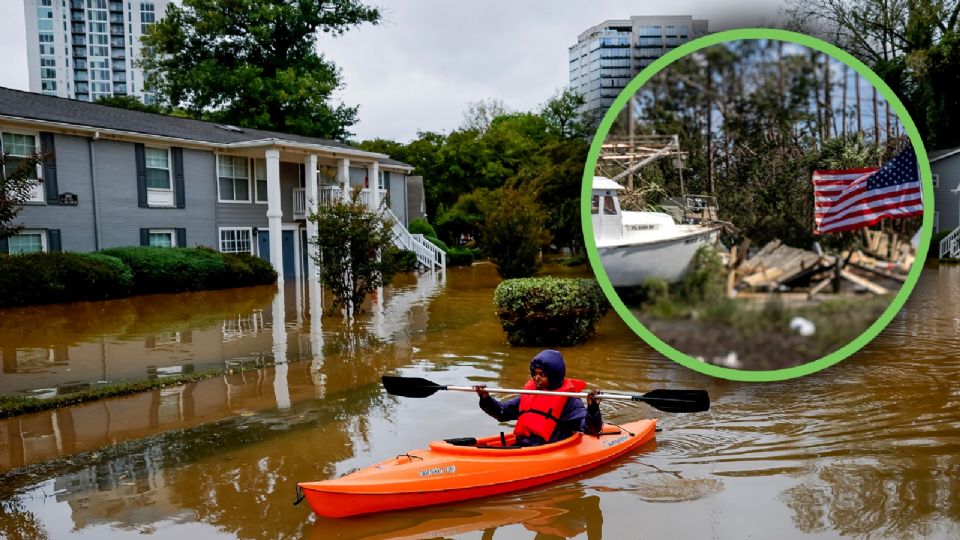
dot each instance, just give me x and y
(609, 208)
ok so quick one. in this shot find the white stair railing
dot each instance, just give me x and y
(950, 245)
(428, 255)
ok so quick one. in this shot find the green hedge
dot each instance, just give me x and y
(50, 278)
(459, 257)
(549, 311)
(161, 270)
(421, 226)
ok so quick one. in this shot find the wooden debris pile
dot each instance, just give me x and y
(781, 268)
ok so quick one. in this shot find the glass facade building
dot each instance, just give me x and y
(86, 49)
(607, 56)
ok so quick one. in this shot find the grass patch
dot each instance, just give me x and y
(17, 405)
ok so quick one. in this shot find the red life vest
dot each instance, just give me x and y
(540, 414)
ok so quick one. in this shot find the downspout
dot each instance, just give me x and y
(97, 240)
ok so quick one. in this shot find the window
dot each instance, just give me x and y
(234, 179)
(936, 222)
(236, 239)
(260, 177)
(27, 242)
(936, 180)
(609, 208)
(162, 237)
(595, 205)
(159, 186)
(19, 146)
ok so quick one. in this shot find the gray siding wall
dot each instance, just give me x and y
(396, 184)
(121, 218)
(255, 214)
(947, 202)
(73, 176)
(357, 176)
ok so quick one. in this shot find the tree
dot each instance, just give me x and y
(480, 114)
(253, 63)
(18, 179)
(128, 102)
(564, 117)
(514, 233)
(352, 244)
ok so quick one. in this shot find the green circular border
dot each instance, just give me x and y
(680, 357)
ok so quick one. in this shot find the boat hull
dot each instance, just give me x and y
(629, 265)
(445, 473)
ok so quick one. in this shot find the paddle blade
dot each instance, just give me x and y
(677, 400)
(414, 387)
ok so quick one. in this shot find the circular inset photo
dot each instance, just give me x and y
(757, 205)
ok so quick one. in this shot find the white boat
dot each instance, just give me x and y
(634, 246)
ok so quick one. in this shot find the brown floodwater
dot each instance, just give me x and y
(867, 448)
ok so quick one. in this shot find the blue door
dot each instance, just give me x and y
(287, 237)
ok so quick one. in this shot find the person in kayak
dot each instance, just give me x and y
(545, 419)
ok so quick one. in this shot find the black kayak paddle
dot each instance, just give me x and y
(677, 401)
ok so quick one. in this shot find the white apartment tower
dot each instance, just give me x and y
(86, 49)
(607, 56)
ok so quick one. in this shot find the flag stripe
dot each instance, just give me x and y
(864, 209)
(826, 204)
(866, 221)
(855, 198)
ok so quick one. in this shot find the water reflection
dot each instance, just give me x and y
(869, 447)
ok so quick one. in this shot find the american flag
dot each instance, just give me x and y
(855, 198)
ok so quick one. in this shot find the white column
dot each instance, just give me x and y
(310, 164)
(343, 172)
(316, 334)
(373, 176)
(274, 212)
(281, 389)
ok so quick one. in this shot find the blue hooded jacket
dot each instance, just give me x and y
(575, 417)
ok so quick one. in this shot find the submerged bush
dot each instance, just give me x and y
(549, 311)
(162, 270)
(459, 257)
(50, 278)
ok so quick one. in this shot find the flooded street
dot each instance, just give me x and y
(869, 447)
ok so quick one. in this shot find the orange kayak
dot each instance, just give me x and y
(467, 469)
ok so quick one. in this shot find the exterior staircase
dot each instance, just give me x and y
(950, 245)
(428, 255)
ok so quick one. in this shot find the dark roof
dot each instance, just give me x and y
(20, 104)
(934, 155)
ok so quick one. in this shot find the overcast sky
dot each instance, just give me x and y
(427, 59)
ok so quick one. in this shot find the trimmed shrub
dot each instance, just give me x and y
(421, 226)
(402, 260)
(459, 257)
(549, 311)
(243, 269)
(161, 269)
(49, 278)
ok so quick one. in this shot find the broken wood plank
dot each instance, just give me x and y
(819, 287)
(863, 282)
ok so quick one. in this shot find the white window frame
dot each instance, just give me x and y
(171, 232)
(253, 168)
(220, 198)
(37, 195)
(160, 197)
(42, 233)
(936, 180)
(220, 240)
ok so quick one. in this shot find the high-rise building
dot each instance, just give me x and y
(86, 49)
(607, 56)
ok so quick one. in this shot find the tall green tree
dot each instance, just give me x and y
(514, 233)
(914, 45)
(253, 63)
(18, 178)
